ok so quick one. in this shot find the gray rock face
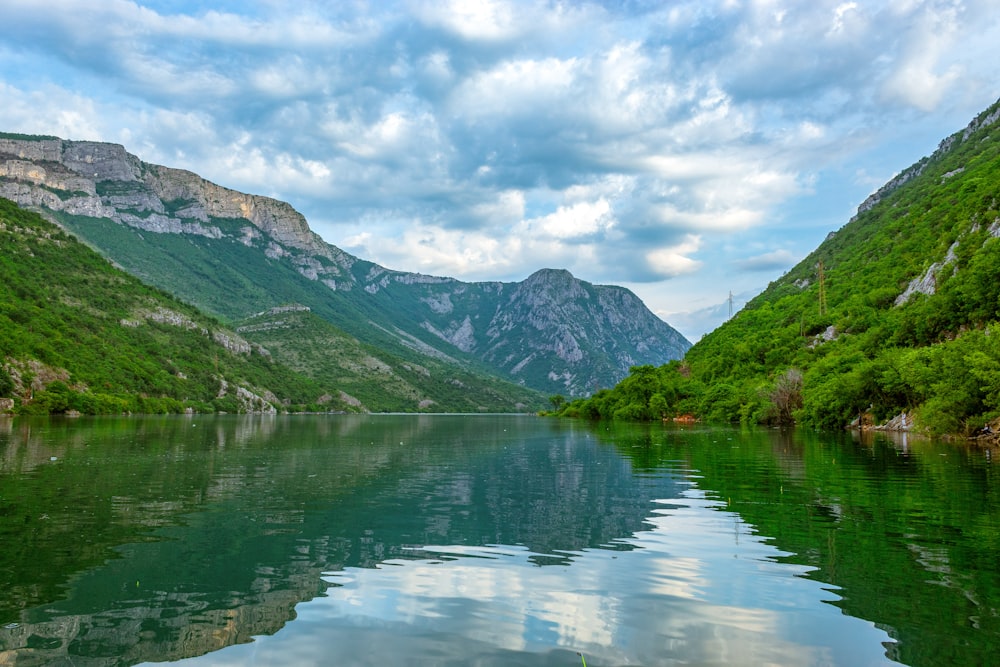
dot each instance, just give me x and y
(927, 283)
(901, 179)
(43, 150)
(552, 331)
(100, 161)
(105, 181)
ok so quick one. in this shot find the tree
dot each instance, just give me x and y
(786, 397)
(658, 406)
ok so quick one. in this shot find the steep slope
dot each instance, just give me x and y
(235, 254)
(893, 316)
(552, 313)
(78, 334)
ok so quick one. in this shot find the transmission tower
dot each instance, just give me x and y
(822, 289)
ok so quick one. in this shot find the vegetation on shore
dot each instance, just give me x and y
(896, 313)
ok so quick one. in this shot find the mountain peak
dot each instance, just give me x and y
(550, 274)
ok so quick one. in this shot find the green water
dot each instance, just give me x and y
(489, 540)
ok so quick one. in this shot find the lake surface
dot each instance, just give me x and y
(489, 540)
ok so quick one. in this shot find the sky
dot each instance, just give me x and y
(684, 149)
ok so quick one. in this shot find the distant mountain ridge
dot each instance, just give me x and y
(235, 254)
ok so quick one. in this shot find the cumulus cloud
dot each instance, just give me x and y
(580, 220)
(674, 261)
(472, 19)
(919, 79)
(484, 139)
(50, 110)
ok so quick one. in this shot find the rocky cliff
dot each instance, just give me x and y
(103, 180)
(551, 332)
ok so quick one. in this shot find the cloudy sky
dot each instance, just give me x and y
(682, 148)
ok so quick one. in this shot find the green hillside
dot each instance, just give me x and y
(896, 312)
(232, 279)
(79, 334)
(220, 276)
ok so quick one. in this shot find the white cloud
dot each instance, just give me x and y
(387, 133)
(123, 21)
(438, 251)
(577, 220)
(473, 19)
(287, 77)
(769, 261)
(918, 78)
(674, 261)
(50, 111)
(437, 66)
(516, 87)
(843, 15)
(609, 186)
(506, 210)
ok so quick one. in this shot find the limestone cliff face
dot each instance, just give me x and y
(202, 200)
(104, 180)
(551, 332)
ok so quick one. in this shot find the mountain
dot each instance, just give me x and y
(235, 255)
(893, 321)
(77, 334)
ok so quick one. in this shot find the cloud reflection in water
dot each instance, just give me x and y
(699, 588)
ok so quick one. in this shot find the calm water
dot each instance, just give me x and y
(489, 540)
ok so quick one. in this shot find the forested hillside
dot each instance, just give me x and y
(893, 316)
(366, 378)
(77, 334)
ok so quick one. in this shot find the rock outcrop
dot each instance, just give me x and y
(102, 180)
